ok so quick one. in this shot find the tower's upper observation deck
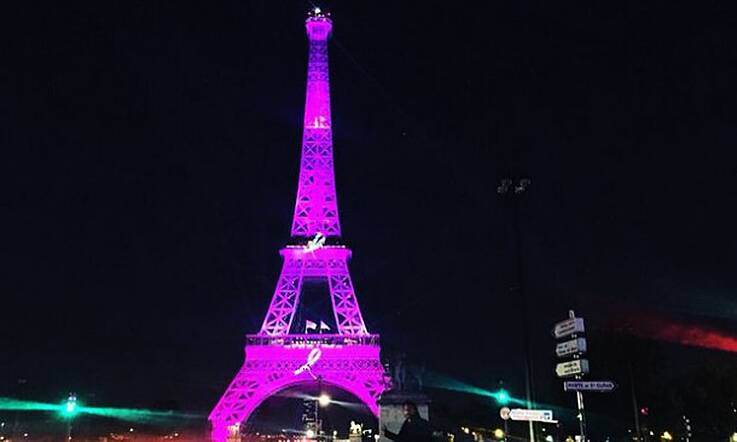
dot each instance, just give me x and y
(318, 25)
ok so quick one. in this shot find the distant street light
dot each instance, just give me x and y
(734, 437)
(69, 411)
(324, 400)
(502, 397)
(499, 433)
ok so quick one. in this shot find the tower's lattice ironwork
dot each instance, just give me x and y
(276, 357)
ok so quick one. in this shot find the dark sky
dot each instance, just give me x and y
(151, 154)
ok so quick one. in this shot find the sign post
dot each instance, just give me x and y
(575, 346)
(571, 347)
(594, 386)
(525, 414)
(571, 326)
(504, 414)
(574, 368)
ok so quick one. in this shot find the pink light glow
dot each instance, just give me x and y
(677, 332)
(275, 359)
(316, 209)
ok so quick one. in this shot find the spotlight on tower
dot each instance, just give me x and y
(324, 400)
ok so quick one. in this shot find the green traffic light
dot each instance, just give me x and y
(502, 396)
(69, 408)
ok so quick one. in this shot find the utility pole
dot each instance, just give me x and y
(508, 186)
(69, 411)
(635, 408)
(579, 396)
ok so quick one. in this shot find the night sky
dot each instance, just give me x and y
(150, 161)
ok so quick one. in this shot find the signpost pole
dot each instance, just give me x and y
(581, 414)
(504, 414)
(579, 399)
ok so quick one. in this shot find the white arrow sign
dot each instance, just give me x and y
(571, 347)
(568, 327)
(599, 386)
(522, 414)
(572, 368)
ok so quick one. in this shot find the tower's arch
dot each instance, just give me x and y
(274, 364)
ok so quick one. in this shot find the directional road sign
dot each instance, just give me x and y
(568, 328)
(596, 386)
(523, 414)
(572, 368)
(571, 347)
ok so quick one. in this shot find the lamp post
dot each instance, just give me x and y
(502, 397)
(69, 410)
(514, 189)
(323, 400)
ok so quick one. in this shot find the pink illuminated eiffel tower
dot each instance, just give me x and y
(277, 359)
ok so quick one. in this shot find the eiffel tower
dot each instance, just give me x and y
(277, 358)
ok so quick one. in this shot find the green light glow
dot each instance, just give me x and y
(501, 396)
(138, 415)
(71, 408)
(16, 405)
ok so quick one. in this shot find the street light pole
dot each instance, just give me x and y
(69, 411)
(507, 186)
(317, 419)
(635, 408)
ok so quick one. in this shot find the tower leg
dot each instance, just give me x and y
(219, 432)
(286, 296)
(348, 317)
